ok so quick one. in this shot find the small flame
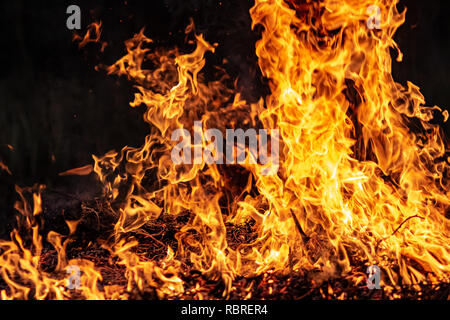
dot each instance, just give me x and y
(82, 171)
(93, 35)
(5, 168)
(351, 169)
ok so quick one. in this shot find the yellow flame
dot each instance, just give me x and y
(351, 170)
(355, 184)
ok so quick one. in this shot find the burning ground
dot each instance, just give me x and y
(363, 177)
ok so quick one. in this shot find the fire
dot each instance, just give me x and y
(93, 35)
(355, 184)
(352, 170)
(4, 167)
(21, 257)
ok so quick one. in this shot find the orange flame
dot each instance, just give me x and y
(351, 172)
(21, 263)
(355, 184)
(5, 168)
(93, 35)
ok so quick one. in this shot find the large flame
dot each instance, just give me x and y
(356, 185)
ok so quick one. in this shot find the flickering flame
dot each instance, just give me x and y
(21, 258)
(4, 167)
(82, 171)
(355, 185)
(93, 35)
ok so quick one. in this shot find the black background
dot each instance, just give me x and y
(53, 102)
